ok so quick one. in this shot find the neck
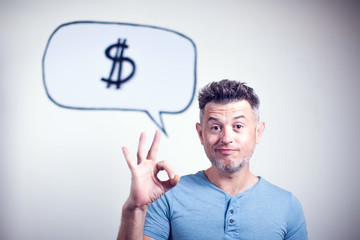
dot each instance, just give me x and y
(232, 183)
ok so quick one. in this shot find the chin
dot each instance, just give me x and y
(230, 168)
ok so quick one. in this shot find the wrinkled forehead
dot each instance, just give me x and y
(233, 109)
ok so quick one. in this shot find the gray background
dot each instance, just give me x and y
(62, 172)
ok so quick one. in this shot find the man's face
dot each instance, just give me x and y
(229, 133)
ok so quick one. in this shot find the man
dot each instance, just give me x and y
(225, 201)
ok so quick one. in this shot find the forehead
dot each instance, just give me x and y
(229, 109)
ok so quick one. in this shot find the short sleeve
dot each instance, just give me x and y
(296, 228)
(157, 223)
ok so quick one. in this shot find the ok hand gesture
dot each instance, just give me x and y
(146, 187)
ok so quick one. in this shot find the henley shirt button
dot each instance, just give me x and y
(231, 220)
(231, 211)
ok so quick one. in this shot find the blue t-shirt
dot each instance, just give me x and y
(197, 209)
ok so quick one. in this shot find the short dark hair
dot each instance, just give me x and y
(226, 91)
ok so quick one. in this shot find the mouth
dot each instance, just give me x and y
(225, 151)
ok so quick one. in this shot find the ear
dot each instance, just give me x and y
(260, 128)
(199, 131)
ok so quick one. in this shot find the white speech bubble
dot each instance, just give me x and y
(81, 68)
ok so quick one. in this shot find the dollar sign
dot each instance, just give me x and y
(118, 59)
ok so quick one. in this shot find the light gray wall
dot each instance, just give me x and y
(62, 172)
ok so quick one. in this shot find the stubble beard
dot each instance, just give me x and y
(231, 167)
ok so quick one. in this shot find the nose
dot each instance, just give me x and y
(226, 136)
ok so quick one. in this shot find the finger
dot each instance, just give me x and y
(141, 148)
(167, 185)
(152, 154)
(163, 165)
(128, 159)
(175, 180)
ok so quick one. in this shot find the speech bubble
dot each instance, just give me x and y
(120, 66)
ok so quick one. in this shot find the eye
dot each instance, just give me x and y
(215, 128)
(239, 126)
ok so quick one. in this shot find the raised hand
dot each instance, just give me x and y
(146, 187)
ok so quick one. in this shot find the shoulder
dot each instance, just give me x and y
(275, 205)
(275, 196)
(272, 190)
(278, 198)
(189, 189)
(291, 209)
(192, 180)
(189, 183)
(194, 176)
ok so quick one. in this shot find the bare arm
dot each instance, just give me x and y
(145, 188)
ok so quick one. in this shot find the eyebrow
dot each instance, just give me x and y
(217, 120)
(212, 119)
(238, 117)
